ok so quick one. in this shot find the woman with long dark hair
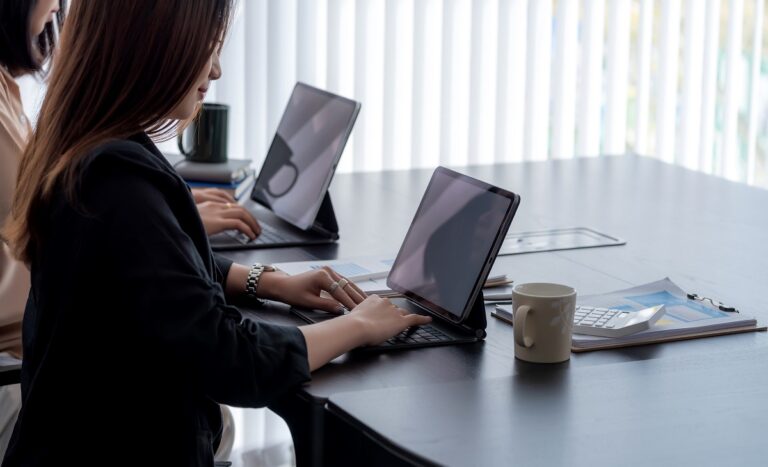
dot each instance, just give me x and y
(27, 37)
(28, 33)
(127, 299)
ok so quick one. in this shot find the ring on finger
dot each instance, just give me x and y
(343, 282)
(332, 288)
(229, 205)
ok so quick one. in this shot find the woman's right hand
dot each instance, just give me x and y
(381, 319)
(371, 322)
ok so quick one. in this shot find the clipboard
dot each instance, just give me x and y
(707, 322)
(659, 340)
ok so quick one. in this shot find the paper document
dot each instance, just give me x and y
(357, 269)
(369, 273)
(684, 318)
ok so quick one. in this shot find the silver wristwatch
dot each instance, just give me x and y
(252, 282)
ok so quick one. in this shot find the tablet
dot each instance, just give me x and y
(452, 243)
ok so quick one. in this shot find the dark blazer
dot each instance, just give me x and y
(129, 343)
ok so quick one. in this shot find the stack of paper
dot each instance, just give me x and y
(684, 318)
(369, 273)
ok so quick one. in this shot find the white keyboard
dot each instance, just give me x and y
(606, 322)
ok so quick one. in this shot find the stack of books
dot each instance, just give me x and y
(234, 176)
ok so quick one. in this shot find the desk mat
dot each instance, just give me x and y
(556, 239)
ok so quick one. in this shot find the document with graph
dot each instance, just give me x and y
(685, 318)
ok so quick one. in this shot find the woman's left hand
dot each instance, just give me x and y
(218, 217)
(305, 290)
(202, 195)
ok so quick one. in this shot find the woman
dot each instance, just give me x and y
(126, 297)
(27, 37)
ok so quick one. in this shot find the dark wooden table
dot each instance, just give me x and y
(695, 402)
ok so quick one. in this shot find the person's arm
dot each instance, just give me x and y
(180, 311)
(313, 289)
(218, 217)
(14, 275)
(372, 322)
(219, 211)
(168, 296)
(201, 195)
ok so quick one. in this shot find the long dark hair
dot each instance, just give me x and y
(21, 53)
(123, 66)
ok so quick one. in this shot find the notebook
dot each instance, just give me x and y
(445, 259)
(290, 196)
(236, 189)
(231, 171)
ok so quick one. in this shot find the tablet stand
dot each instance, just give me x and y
(476, 321)
(325, 221)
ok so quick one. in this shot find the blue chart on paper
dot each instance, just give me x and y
(347, 269)
(678, 308)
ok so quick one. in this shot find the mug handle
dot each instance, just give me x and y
(520, 320)
(180, 143)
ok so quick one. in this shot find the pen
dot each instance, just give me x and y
(499, 302)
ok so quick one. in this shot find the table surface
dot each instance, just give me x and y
(670, 411)
(692, 398)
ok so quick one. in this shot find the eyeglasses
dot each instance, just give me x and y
(719, 305)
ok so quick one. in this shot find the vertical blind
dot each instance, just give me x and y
(479, 81)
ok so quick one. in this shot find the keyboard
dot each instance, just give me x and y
(607, 322)
(268, 235)
(418, 335)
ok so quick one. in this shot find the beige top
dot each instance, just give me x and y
(14, 276)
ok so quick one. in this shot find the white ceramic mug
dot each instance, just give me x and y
(543, 321)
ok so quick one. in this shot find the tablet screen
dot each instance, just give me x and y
(447, 252)
(302, 158)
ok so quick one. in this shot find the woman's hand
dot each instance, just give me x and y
(220, 216)
(202, 195)
(373, 321)
(381, 319)
(322, 289)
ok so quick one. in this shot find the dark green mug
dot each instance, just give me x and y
(205, 139)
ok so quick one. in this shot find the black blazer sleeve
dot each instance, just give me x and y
(166, 289)
(222, 269)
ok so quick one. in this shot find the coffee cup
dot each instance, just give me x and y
(543, 321)
(205, 139)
